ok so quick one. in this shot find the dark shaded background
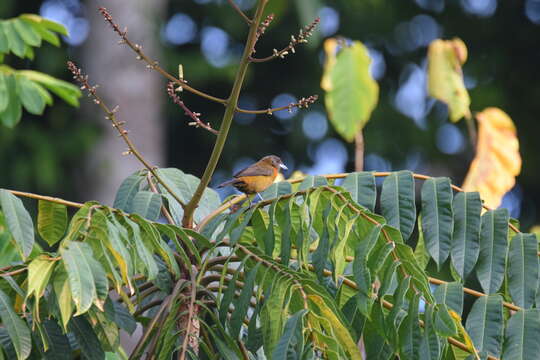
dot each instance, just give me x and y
(407, 130)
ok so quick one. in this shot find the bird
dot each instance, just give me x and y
(256, 177)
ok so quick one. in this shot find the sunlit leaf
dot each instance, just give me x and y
(351, 92)
(445, 78)
(497, 161)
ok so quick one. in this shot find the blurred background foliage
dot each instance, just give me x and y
(407, 130)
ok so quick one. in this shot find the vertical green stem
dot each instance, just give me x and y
(232, 102)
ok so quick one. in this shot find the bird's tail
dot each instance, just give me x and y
(227, 183)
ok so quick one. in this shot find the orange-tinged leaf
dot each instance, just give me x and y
(497, 161)
(445, 78)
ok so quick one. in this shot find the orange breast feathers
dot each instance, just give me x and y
(254, 184)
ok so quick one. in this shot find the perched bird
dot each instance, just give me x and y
(256, 177)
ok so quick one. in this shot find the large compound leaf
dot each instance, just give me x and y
(127, 191)
(351, 92)
(445, 78)
(497, 161)
(18, 221)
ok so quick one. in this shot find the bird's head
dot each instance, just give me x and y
(274, 161)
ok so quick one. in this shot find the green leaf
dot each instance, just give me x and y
(46, 34)
(451, 295)
(147, 204)
(465, 247)
(63, 294)
(312, 181)
(523, 269)
(351, 92)
(493, 249)
(39, 273)
(144, 255)
(289, 334)
(54, 26)
(85, 274)
(4, 44)
(437, 219)
(4, 94)
(16, 43)
(445, 78)
(362, 274)
(361, 185)
(52, 221)
(522, 336)
(241, 306)
(86, 337)
(276, 190)
(430, 347)
(59, 348)
(66, 91)
(17, 329)
(184, 186)
(409, 331)
(397, 202)
(27, 32)
(12, 113)
(18, 221)
(444, 323)
(127, 191)
(485, 324)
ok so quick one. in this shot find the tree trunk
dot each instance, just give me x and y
(124, 81)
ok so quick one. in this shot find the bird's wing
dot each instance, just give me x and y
(255, 170)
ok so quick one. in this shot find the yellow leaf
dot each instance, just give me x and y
(463, 335)
(497, 161)
(445, 78)
(342, 335)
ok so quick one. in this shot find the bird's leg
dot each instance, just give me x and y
(260, 197)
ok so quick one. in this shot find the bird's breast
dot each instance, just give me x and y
(254, 184)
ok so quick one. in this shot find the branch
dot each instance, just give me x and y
(302, 103)
(240, 12)
(46, 198)
(111, 115)
(303, 35)
(152, 64)
(194, 116)
(227, 119)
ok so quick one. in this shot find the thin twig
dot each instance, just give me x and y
(153, 65)
(14, 272)
(302, 103)
(194, 116)
(240, 12)
(302, 37)
(111, 116)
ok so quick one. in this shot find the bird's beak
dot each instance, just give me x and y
(282, 165)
